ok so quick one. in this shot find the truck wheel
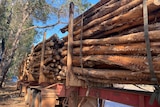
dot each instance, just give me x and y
(37, 100)
(20, 88)
(32, 97)
(27, 96)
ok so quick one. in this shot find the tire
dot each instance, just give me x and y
(37, 100)
(33, 95)
(27, 96)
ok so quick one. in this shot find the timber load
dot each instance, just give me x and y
(109, 44)
(52, 66)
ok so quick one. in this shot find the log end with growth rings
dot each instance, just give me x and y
(157, 2)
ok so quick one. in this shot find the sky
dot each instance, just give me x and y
(55, 30)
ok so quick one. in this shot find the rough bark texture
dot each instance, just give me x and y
(112, 49)
(51, 65)
(124, 49)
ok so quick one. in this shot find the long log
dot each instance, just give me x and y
(112, 14)
(129, 38)
(134, 63)
(129, 62)
(126, 26)
(151, 27)
(35, 65)
(89, 12)
(107, 21)
(92, 64)
(112, 74)
(52, 38)
(48, 68)
(47, 52)
(39, 46)
(101, 81)
(107, 28)
(125, 49)
(104, 10)
(48, 60)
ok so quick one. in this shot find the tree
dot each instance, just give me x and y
(18, 16)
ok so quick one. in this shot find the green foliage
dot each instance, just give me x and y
(63, 6)
(12, 13)
(40, 9)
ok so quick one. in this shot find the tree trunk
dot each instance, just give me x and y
(4, 71)
(7, 62)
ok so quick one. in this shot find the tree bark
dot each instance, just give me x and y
(105, 81)
(124, 49)
(115, 28)
(90, 12)
(133, 9)
(5, 70)
(123, 39)
(117, 8)
(108, 74)
(39, 46)
(133, 63)
(5, 67)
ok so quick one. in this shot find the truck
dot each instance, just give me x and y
(109, 48)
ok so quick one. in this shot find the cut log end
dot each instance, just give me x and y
(157, 2)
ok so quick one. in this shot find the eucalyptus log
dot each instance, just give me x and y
(123, 39)
(55, 70)
(52, 38)
(36, 64)
(125, 49)
(62, 73)
(89, 12)
(37, 58)
(109, 28)
(134, 63)
(39, 46)
(112, 74)
(57, 57)
(47, 52)
(60, 77)
(152, 27)
(113, 13)
(51, 65)
(109, 20)
(126, 26)
(47, 68)
(48, 60)
(104, 10)
(103, 81)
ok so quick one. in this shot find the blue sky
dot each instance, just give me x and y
(56, 29)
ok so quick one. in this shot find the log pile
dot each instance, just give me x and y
(113, 44)
(52, 67)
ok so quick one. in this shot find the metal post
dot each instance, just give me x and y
(70, 43)
(42, 77)
(71, 79)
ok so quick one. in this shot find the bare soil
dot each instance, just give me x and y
(9, 96)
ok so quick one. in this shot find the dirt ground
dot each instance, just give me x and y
(9, 96)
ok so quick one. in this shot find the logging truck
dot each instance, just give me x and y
(114, 43)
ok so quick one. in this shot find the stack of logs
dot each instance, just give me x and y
(113, 44)
(52, 67)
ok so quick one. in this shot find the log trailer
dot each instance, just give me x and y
(114, 42)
